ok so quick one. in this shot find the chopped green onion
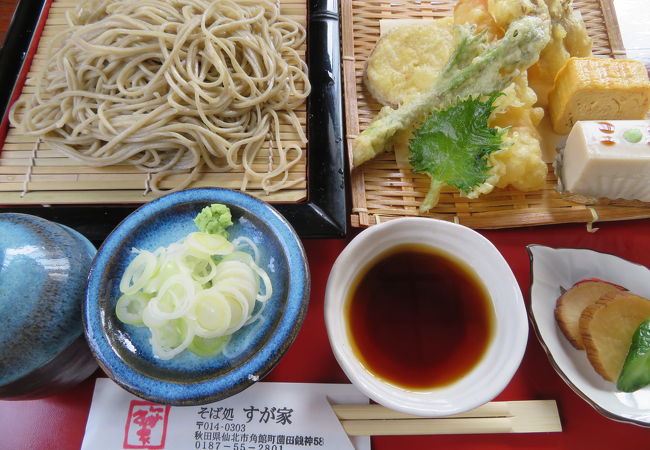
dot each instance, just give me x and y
(194, 294)
(212, 314)
(208, 347)
(138, 272)
(209, 244)
(171, 338)
(129, 307)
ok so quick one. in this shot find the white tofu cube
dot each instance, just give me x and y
(608, 159)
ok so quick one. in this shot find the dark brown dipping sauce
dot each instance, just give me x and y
(419, 318)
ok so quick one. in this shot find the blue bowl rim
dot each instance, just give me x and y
(254, 368)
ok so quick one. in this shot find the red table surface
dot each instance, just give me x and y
(59, 422)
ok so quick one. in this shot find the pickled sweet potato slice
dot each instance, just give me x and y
(570, 305)
(607, 327)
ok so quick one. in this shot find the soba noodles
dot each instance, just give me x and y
(172, 85)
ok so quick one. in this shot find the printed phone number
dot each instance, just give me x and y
(217, 445)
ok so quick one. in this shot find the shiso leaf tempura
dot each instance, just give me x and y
(452, 147)
(195, 293)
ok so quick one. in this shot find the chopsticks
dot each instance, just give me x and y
(531, 416)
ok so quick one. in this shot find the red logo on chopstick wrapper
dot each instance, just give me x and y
(146, 425)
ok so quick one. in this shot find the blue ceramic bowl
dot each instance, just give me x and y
(43, 271)
(124, 352)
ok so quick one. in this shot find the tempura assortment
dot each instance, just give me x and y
(511, 47)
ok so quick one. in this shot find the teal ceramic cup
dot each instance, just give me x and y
(43, 276)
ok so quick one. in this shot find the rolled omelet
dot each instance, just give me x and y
(407, 60)
(598, 88)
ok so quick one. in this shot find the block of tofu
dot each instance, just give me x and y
(607, 159)
(598, 89)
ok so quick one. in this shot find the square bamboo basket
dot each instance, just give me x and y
(382, 191)
(32, 173)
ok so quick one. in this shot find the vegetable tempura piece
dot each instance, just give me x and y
(407, 60)
(474, 68)
(452, 147)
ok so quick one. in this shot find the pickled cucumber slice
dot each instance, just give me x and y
(636, 369)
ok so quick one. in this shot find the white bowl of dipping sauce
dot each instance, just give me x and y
(425, 316)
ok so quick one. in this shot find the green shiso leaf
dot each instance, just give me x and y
(452, 146)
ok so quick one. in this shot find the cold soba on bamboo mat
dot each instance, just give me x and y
(171, 95)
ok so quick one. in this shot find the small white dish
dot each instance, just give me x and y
(505, 351)
(555, 269)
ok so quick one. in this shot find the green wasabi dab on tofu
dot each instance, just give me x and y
(636, 369)
(214, 219)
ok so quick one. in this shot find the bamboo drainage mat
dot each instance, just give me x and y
(32, 173)
(530, 416)
(382, 191)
